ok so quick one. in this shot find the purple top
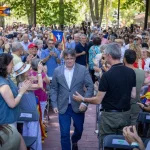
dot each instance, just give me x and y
(40, 93)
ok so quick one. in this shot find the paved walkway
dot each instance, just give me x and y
(89, 139)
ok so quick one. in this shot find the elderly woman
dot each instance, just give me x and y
(39, 44)
(93, 51)
(9, 96)
(28, 100)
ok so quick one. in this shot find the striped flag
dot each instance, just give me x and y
(4, 11)
(58, 36)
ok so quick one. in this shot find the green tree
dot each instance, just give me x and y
(47, 12)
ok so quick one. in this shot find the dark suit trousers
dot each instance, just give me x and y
(65, 123)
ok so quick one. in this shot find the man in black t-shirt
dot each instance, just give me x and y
(116, 88)
(81, 51)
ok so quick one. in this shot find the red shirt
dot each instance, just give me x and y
(136, 64)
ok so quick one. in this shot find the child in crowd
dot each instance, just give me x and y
(28, 101)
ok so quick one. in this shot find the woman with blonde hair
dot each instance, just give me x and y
(28, 101)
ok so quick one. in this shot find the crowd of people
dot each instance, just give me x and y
(94, 66)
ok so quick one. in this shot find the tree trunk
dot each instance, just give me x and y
(96, 10)
(106, 14)
(146, 14)
(91, 10)
(2, 20)
(149, 15)
(101, 12)
(29, 11)
(61, 12)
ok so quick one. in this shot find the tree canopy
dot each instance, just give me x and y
(75, 11)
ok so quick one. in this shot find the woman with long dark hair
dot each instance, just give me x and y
(9, 96)
(9, 111)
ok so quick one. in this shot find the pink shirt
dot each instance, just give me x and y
(104, 41)
(40, 93)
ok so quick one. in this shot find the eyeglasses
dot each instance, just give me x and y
(137, 39)
(50, 43)
(71, 59)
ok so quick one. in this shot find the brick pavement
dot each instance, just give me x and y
(89, 139)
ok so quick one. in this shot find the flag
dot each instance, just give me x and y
(4, 11)
(58, 36)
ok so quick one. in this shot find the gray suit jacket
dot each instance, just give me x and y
(60, 91)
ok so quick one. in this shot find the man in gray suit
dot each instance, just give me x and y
(66, 81)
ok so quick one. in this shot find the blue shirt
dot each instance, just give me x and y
(51, 62)
(62, 62)
(73, 44)
(25, 45)
(68, 45)
(79, 49)
(1, 50)
(8, 115)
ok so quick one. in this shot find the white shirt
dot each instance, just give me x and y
(147, 64)
(68, 73)
(123, 49)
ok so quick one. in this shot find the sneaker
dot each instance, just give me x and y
(74, 146)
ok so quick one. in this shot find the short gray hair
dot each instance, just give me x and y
(114, 50)
(83, 35)
(37, 42)
(34, 63)
(103, 47)
(16, 46)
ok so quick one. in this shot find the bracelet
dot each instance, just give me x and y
(83, 99)
(134, 145)
(143, 107)
(19, 95)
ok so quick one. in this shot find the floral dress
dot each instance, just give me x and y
(93, 51)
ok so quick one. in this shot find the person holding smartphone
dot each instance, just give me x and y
(132, 137)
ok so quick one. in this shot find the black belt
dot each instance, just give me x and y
(121, 110)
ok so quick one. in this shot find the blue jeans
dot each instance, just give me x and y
(65, 122)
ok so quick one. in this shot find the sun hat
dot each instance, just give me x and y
(32, 45)
(139, 36)
(119, 41)
(21, 68)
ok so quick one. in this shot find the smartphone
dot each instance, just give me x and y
(144, 101)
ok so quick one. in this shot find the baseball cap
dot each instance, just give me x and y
(32, 45)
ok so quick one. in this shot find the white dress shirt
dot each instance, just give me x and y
(68, 73)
